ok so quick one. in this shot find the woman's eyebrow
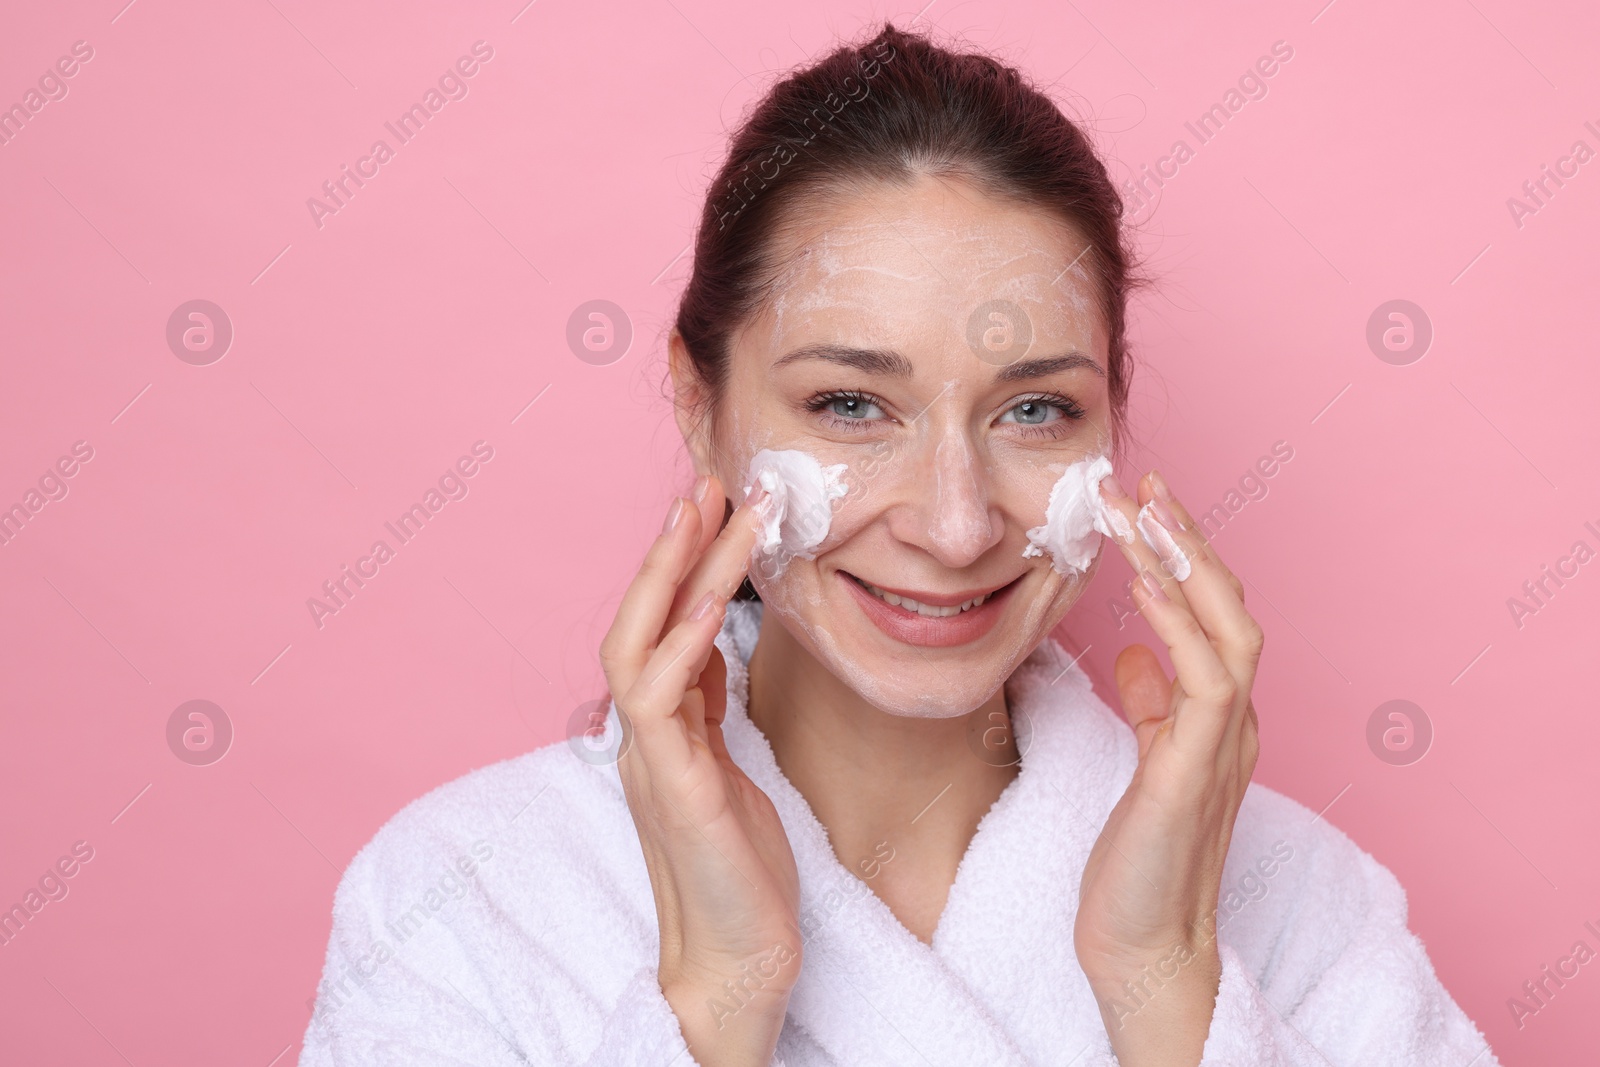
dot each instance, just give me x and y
(889, 362)
(1025, 369)
(870, 360)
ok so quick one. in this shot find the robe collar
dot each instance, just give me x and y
(1000, 984)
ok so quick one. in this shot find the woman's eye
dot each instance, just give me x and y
(853, 407)
(1033, 413)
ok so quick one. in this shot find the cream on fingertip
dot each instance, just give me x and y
(1161, 542)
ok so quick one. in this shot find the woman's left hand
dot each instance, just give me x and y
(1146, 927)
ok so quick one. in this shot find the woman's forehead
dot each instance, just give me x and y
(910, 269)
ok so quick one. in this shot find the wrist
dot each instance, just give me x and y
(1158, 1011)
(732, 1014)
(728, 1029)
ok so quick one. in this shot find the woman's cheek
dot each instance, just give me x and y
(874, 476)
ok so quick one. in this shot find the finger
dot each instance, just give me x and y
(707, 495)
(724, 564)
(1146, 693)
(1213, 591)
(642, 614)
(1139, 553)
(653, 703)
(714, 686)
(692, 710)
(1159, 597)
(1203, 717)
(714, 514)
(1197, 654)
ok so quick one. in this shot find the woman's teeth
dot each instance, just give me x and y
(925, 609)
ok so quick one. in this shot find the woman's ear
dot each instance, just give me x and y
(690, 403)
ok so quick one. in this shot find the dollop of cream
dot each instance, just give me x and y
(1076, 517)
(798, 509)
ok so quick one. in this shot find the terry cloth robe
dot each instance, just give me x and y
(506, 918)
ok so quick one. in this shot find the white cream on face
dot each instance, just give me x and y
(933, 492)
(799, 507)
(1076, 517)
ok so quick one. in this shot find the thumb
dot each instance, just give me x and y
(1146, 693)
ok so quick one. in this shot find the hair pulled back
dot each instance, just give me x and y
(889, 110)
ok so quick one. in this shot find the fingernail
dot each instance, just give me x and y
(1152, 585)
(1159, 485)
(674, 515)
(1112, 488)
(1116, 521)
(754, 494)
(704, 607)
(1165, 515)
(1161, 542)
(702, 486)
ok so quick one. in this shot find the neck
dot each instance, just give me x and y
(900, 796)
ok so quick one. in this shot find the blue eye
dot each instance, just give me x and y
(1032, 413)
(850, 406)
(1043, 411)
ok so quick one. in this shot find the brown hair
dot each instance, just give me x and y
(891, 109)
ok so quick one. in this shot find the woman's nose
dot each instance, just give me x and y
(950, 514)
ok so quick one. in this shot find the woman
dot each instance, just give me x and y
(878, 816)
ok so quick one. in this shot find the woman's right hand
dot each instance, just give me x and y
(721, 868)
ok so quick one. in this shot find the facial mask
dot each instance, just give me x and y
(799, 507)
(1074, 518)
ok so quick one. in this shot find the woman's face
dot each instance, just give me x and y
(948, 349)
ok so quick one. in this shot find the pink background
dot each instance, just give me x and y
(431, 310)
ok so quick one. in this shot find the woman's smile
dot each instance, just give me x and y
(930, 619)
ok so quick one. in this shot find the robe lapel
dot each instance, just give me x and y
(1000, 984)
(1007, 927)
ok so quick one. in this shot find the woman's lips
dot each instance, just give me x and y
(927, 631)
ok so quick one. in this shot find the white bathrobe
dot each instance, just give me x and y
(506, 918)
